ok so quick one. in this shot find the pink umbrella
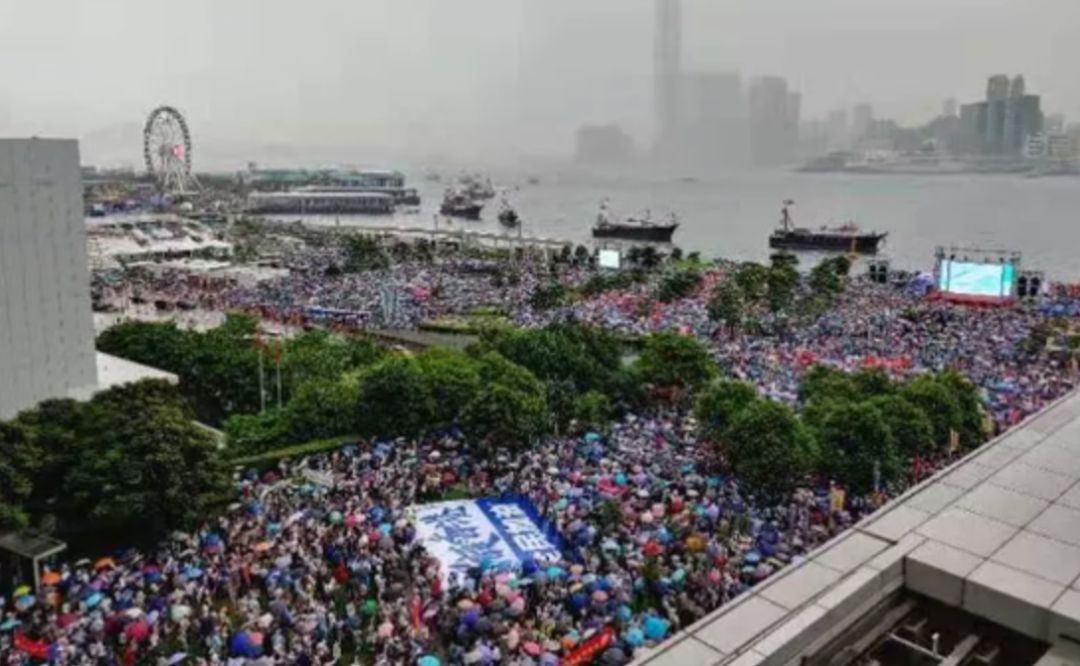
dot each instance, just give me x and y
(137, 631)
(386, 630)
(531, 648)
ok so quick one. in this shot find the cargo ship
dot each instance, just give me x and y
(846, 238)
(633, 229)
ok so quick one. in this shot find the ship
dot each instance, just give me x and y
(633, 229)
(508, 217)
(457, 204)
(474, 187)
(846, 238)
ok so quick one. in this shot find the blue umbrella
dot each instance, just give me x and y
(241, 645)
(428, 660)
(752, 556)
(591, 437)
(655, 628)
(93, 600)
(9, 624)
(635, 637)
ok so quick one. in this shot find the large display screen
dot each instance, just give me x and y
(609, 259)
(973, 279)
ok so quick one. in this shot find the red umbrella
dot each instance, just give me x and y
(137, 631)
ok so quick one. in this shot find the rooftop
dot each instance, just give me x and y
(114, 371)
(996, 535)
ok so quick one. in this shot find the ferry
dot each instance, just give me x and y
(846, 238)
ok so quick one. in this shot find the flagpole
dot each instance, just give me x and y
(279, 376)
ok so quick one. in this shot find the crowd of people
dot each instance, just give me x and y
(319, 561)
(870, 324)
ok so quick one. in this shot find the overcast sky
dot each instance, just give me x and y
(494, 77)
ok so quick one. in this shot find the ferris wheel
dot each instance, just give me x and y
(167, 150)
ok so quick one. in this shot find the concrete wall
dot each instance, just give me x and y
(46, 326)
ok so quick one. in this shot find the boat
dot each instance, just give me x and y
(458, 204)
(508, 217)
(844, 238)
(633, 229)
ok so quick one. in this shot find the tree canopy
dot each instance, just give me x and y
(674, 360)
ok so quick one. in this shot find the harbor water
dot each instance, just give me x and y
(732, 215)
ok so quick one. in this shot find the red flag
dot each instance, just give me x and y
(36, 649)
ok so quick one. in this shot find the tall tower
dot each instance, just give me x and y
(667, 65)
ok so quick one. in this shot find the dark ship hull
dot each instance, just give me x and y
(463, 211)
(809, 240)
(658, 233)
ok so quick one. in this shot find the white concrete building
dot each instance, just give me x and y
(46, 326)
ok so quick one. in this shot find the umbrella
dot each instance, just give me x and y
(177, 658)
(428, 660)
(104, 563)
(655, 628)
(50, 578)
(243, 644)
(531, 648)
(179, 612)
(22, 591)
(24, 602)
(635, 637)
(9, 624)
(137, 631)
(261, 547)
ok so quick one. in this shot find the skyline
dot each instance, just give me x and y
(492, 78)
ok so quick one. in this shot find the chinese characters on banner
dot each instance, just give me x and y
(498, 534)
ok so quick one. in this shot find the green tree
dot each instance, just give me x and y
(497, 369)
(247, 434)
(824, 279)
(856, 441)
(585, 356)
(912, 430)
(753, 280)
(726, 305)
(453, 380)
(146, 466)
(503, 417)
(18, 462)
(320, 355)
(323, 408)
(719, 403)
(782, 281)
(395, 398)
(872, 382)
(768, 448)
(592, 411)
(969, 423)
(937, 402)
(822, 383)
(671, 359)
(678, 284)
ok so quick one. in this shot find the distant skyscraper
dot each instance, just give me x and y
(948, 109)
(1002, 124)
(604, 144)
(861, 118)
(713, 119)
(997, 87)
(774, 121)
(837, 131)
(667, 67)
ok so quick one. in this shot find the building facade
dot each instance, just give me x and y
(774, 121)
(667, 72)
(603, 144)
(713, 119)
(46, 325)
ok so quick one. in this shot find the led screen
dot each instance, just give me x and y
(972, 279)
(609, 258)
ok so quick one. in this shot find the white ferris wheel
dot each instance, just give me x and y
(167, 150)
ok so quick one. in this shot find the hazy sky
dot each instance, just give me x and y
(490, 77)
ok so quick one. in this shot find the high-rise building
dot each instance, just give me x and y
(862, 116)
(667, 71)
(948, 109)
(713, 119)
(603, 144)
(837, 131)
(1001, 125)
(46, 326)
(774, 121)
